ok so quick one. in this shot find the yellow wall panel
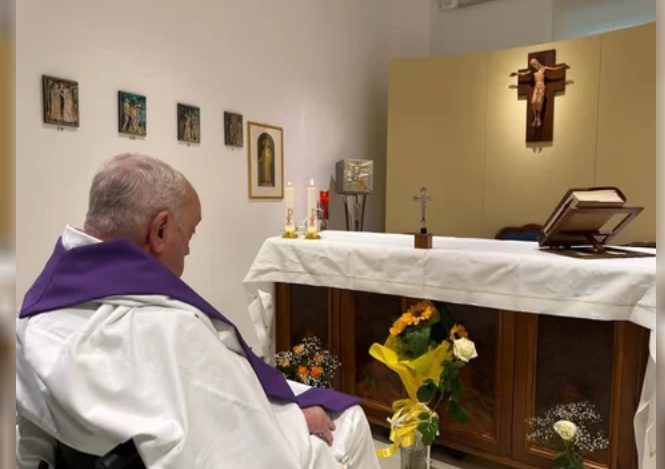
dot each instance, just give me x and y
(6, 168)
(456, 126)
(523, 182)
(627, 124)
(436, 128)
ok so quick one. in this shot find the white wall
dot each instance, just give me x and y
(575, 18)
(316, 68)
(499, 24)
(504, 24)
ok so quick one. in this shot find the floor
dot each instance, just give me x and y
(440, 460)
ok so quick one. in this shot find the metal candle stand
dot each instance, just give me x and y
(354, 210)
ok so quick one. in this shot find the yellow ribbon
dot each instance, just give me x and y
(404, 425)
(414, 372)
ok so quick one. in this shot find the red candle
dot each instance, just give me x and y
(323, 197)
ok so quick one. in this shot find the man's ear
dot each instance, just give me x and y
(158, 232)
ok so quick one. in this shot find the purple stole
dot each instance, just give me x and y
(120, 268)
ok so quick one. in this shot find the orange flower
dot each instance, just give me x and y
(399, 326)
(458, 332)
(420, 312)
(285, 363)
(318, 358)
(298, 348)
(303, 371)
(317, 371)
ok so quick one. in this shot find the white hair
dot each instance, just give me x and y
(128, 191)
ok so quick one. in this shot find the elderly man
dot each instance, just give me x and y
(111, 345)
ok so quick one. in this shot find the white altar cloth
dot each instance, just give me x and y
(506, 275)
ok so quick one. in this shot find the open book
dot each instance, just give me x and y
(586, 198)
(585, 221)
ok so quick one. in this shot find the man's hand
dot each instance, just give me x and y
(319, 423)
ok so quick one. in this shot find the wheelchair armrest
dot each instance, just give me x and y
(123, 456)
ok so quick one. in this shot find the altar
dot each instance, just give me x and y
(548, 329)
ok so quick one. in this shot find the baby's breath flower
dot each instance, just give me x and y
(588, 437)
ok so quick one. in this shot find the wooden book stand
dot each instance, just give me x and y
(581, 232)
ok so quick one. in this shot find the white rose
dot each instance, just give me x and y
(464, 349)
(566, 430)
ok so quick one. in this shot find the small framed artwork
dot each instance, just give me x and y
(61, 101)
(189, 123)
(132, 114)
(266, 161)
(233, 136)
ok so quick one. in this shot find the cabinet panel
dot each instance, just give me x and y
(373, 315)
(567, 360)
(574, 364)
(527, 364)
(303, 311)
(488, 380)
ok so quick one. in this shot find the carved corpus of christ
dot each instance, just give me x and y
(539, 83)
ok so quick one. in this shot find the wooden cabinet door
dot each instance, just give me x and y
(566, 360)
(302, 311)
(366, 319)
(488, 380)
(305, 311)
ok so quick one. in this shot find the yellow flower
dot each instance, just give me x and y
(427, 313)
(399, 326)
(419, 312)
(285, 362)
(318, 358)
(298, 348)
(458, 332)
(412, 317)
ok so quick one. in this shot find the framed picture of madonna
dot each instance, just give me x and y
(265, 154)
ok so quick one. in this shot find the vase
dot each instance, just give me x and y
(416, 456)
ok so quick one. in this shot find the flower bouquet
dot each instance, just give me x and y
(308, 363)
(427, 350)
(567, 429)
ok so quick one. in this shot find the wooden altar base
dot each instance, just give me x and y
(527, 363)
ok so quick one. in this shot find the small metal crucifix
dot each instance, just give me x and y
(423, 198)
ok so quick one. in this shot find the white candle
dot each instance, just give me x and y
(312, 213)
(289, 208)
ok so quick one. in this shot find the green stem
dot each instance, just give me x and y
(440, 394)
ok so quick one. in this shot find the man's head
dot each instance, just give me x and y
(145, 200)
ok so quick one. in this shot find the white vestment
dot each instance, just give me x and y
(646, 418)
(163, 373)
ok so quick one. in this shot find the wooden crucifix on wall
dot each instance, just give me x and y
(539, 83)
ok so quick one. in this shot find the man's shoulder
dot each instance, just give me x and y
(111, 312)
(156, 308)
(106, 325)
